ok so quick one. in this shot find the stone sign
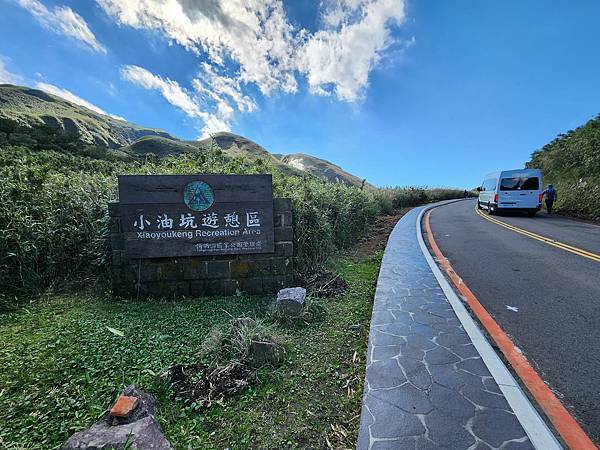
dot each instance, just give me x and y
(196, 215)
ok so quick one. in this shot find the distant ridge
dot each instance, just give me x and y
(321, 168)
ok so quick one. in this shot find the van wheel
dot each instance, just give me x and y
(479, 205)
(531, 213)
(490, 210)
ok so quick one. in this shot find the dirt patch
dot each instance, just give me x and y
(376, 237)
(323, 284)
(203, 385)
(327, 284)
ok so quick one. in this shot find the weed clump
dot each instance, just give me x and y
(233, 342)
(324, 284)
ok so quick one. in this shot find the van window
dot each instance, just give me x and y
(520, 184)
(489, 184)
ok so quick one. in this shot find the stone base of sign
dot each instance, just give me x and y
(199, 276)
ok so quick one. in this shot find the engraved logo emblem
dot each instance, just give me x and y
(198, 196)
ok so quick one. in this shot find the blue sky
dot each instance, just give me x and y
(402, 93)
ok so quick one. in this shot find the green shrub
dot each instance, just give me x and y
(407, 197)
(579, 198)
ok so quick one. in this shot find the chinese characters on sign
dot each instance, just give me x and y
(208, 220)
(177, 215)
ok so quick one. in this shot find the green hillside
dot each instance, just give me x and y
(159, 146)
(572, 163)
(40, 120)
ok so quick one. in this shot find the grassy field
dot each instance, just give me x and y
(60, 367)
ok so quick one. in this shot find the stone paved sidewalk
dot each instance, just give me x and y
(426, 386)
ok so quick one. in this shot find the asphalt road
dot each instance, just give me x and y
(557, 294)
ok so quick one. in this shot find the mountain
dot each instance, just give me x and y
(320, 168)
(235, 145)
(30, 114)
(42, 121)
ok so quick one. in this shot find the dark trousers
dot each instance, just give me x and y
(549, 204)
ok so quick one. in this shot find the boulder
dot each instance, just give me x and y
(139, 430)
(143, 434)
(262, 353)
(290, 301)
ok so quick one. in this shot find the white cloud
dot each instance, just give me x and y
(255, 34)
(336, 12)
(344, 55)
(171, 90)
(69, 96)
(178, 97)
(7, 77)
(222, 89)
(63, 20)
(244, 43)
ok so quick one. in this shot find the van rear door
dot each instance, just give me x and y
(519, 190)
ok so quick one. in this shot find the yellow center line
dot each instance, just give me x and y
(544, 238)
(547, 240)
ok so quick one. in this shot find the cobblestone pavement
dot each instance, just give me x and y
(426, 387)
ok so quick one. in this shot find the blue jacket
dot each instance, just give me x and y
(550, 194)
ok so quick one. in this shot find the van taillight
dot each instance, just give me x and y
(496, 198)
(541, 197)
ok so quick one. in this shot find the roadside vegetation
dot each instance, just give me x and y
(572, 163)
(53, 213)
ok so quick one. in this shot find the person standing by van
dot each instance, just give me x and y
(551, 196)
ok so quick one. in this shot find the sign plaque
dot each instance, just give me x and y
(196, 215)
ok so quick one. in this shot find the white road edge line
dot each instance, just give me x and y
(540, 435)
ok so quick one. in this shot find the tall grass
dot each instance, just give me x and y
(572, 163)
(406, 197)
(579, 197)
(53, 224)
(54, 220)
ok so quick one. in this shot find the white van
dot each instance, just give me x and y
(511, 190)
